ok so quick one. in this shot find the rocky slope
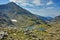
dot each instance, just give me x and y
(12, 14)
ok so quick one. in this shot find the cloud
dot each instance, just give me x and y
(33, 2)
(12, 0)
(26, 2)
(37, 2)
(49, 3)
(20, 2)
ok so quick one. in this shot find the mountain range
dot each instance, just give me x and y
(45, 19)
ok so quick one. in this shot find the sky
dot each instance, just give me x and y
(45, 8)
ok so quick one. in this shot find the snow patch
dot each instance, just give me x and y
(13, 20)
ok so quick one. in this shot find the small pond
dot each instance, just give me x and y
(42, 29)
(32, 27)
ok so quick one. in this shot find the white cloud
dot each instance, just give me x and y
(12, 0)
(33, 3)
(49, 8)
(50, 2)
(26, 2)
(37, 2)
(21, 2)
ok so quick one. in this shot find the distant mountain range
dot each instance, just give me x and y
(46, 19)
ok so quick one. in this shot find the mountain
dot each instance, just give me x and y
(57, 18)
(13, 15)
(45, 19)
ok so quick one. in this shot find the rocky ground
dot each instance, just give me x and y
(13, 33)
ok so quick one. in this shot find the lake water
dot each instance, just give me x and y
(29, 28)
(42, 29)
(32, 27)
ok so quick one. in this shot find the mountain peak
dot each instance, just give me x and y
(12, 3)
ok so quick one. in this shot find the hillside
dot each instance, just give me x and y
(14, 15)
(57, 18)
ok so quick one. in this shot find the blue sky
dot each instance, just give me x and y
(39, 7)
(3, 1)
